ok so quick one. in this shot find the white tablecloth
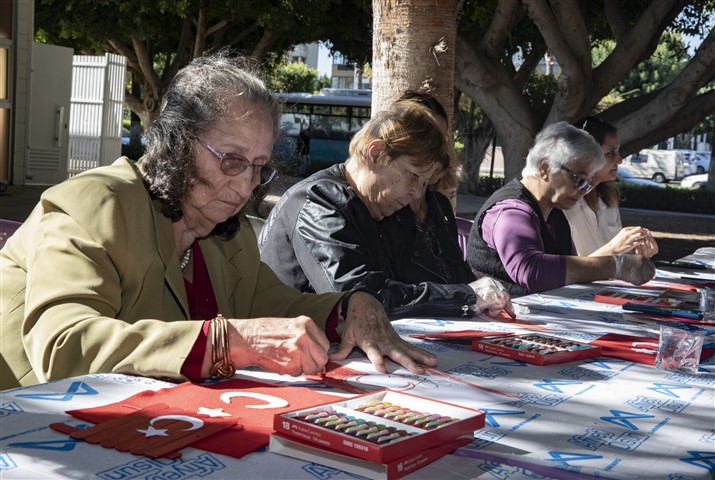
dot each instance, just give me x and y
(601, 417)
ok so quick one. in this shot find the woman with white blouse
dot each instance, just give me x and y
(595, 220)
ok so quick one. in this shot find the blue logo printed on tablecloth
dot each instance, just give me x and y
(566, 457)
(555, 385)
(605, 363)
(623, 418)
(547, 400)
(64, 445)
(490, 413)
(435, 323)
(646, 404)
(200, 466)
(485, 437)
(510, 363)
(324, 473)
(668, 389)
(593, 439)
(480, 371)
(579, 373)
(503, 472)
(6, 462)
(680, 476)
(708, 437)
(72, 391)
(701, 459)
(684, 378)
(9, 408)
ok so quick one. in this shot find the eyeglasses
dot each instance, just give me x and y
(233, 164)
(582, 184)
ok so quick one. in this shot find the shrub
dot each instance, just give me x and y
(674, 199)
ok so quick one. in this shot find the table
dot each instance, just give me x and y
(602, 417)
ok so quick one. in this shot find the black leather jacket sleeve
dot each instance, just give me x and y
(337, 244)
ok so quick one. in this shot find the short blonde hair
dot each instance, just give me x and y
(407, 128)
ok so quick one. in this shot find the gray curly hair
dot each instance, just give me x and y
(198, 98)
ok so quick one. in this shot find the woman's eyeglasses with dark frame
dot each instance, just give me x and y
(582, 185)
(233, 164)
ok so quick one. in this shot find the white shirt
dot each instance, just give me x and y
(591, 230)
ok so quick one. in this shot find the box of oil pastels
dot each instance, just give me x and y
(536, 348)
(396, 432)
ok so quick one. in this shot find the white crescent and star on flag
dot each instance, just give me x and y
(150, 431)
(270, 402)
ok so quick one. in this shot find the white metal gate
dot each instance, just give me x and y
(96, 112)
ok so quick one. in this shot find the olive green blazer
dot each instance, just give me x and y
(91, 283)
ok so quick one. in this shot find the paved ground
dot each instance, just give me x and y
(678, 234)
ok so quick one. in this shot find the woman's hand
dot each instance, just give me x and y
(633, 238)
(491, 296)
(635, 269)
(368, 328)
(292, 346)
(648, 246)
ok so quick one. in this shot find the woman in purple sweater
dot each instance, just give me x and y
(521, 235)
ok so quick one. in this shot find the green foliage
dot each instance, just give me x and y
(540, 91)
(294, 77)
(489, 185)
(698, 200)
(655, 72)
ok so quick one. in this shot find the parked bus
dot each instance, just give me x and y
(320, 126)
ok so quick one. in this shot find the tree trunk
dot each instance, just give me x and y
(413, 48)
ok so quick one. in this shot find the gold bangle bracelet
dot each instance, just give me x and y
(221, 364)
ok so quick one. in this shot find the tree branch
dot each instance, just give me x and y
(146, 67)
(244, 33)
(487, 82)
(574, 81)
(492, 42)
(122, 49)
(632, 46)
(614, 17)
(264, 44)
(572, 24)
(182, 52)
(672, 99)
(690, 115)
(527, 68)
(200, 36)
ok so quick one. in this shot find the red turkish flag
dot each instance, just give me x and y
(252, 405)
(156, 431)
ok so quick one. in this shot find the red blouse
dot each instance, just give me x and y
(202, 304)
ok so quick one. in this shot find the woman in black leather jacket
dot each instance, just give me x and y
(349, 227)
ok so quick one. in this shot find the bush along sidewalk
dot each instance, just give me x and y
(673, 199)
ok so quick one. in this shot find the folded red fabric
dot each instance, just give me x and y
(251, 405)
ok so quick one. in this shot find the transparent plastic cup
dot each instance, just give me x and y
(679, 348)
(707, 303)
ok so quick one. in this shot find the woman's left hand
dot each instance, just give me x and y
(368, 328)
(648, 245)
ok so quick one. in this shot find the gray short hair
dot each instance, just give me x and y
(197, 98)
(559, 144)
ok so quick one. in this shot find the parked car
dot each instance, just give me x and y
(695, 181)
(657, 165)
(699, 163)
(625, 176)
